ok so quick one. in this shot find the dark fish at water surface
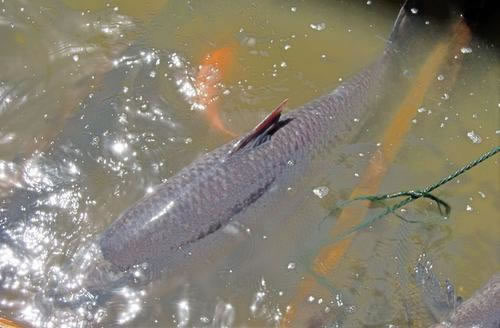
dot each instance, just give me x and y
(208, 194)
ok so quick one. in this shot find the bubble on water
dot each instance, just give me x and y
(283, 64)
(287, 46)
(318, 26)
(291, 266)
(482, 194)
(321, 191)
(310, 299)
(293, 9)
(466, 50)
(368, 2)
(414, 10)
(474, 137)
(468, 208)
(440, 77)
(76, 58)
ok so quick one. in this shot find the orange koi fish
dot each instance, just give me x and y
(214, 67)
(6, 323)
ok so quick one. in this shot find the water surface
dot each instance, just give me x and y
(98, 105)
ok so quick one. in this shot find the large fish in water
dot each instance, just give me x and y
(482, 309)
(205, 196)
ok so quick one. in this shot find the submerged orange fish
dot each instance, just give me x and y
(214, 67)
(6, 323)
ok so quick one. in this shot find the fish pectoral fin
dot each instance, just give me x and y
(261, 132)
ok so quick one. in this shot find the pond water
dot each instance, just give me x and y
(99, 102)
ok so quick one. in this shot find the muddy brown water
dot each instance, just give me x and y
(96, 108)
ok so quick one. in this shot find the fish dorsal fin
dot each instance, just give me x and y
(261, 128)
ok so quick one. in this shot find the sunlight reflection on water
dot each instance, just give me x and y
(94, 116)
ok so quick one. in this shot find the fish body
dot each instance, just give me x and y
(214, 67)
(205, 196)
(481, 310)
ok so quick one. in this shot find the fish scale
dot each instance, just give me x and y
(205, 196)
(193, 206)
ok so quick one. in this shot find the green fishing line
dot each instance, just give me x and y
(413, 195)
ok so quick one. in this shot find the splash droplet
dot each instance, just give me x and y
(318, 26)
(474, 137)
(321, 191)
(466, 50)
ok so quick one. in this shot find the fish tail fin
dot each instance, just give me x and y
(419, 19)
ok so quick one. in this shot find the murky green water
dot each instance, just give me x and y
(98, 105)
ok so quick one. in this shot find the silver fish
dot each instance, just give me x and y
(481, 310)
(205, 196)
